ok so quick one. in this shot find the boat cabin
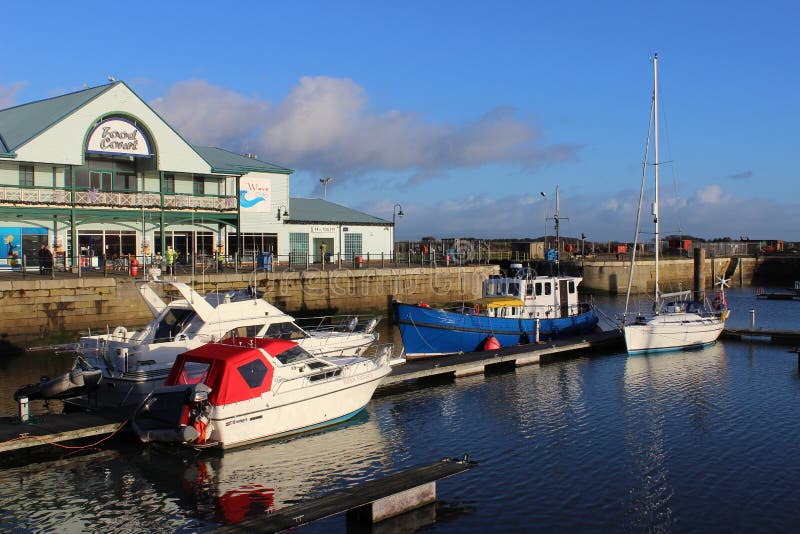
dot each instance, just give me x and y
(529, 297)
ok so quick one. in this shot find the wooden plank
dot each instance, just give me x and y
(55, 428)
(350, 498)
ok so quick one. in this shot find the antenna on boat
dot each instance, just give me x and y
(556, 219)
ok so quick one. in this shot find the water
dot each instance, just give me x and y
(686, 441)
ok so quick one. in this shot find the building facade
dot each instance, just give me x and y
(98, 175)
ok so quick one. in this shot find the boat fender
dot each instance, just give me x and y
(476, 309)
(201, 426)
(424, 305)
(491, 343)
(351, 326)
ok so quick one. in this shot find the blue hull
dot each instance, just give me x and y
(429, 331)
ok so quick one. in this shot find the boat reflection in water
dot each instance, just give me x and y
(661, 393)
(227, 487)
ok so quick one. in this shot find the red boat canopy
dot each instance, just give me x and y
(235, 370)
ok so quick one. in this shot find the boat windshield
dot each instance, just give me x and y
(172, 324)
(194, 372)
(293, 355)
(285, 330)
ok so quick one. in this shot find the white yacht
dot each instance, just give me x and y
(243, 390)
(676, 322)
(133, 363)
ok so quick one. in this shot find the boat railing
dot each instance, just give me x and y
(380, 353)
(338, 323)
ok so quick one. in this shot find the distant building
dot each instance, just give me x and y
(97, 173)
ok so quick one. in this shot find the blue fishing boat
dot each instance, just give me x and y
(518, 309)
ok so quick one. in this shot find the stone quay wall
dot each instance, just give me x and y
(674, 274)
(37, 308)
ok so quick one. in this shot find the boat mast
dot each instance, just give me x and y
(655, 204)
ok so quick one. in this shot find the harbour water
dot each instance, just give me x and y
(701, 441)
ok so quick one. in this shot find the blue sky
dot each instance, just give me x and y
(462, 112)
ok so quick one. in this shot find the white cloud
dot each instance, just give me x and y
(325, 127)
(210, 115)
(712, 194)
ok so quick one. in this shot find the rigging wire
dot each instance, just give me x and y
(639, 209)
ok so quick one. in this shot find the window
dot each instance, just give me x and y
(100, 180)
(547, 289)
(352, 246)
(529, 290)
(26, 175)
(243, 331)
(194, 372)
(172, 324)
(513, 288)
(571, 286)
(285, 331)
(198, 186)
(293, 355)
(124, 181)
(169, 183)
(538, 289)
(298, 248)
(253, 373)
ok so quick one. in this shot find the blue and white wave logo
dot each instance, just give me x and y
(249, 202)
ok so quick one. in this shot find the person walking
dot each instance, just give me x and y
(171, 255)
(48, 260)
(41, 258)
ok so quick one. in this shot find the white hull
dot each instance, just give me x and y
(297, 411)
(672, 331)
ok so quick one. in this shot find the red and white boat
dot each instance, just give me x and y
(244, 390)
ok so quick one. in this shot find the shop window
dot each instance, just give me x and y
(169, 183)
(124, 181)
(253, 373)
(198, 186)
(26, 175)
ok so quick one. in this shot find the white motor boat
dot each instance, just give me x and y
(676, 322)
(243, 390)
(133, 363)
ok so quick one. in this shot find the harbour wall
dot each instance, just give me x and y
(38, 308)
(610, 276)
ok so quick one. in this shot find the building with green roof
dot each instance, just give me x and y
(97, 174)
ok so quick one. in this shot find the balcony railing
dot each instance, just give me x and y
(93, 197)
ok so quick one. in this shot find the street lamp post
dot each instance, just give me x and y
(396, 210)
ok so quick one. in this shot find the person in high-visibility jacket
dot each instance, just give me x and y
(171, 256)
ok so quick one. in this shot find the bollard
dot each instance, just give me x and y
(752, 319)
(23, 409)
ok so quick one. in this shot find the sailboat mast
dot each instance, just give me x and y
(655, 203)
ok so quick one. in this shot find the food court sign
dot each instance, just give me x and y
(120, 137)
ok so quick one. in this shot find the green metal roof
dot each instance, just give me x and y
(231, 163)
(20, 124)
(315, 210)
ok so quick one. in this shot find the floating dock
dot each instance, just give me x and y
(57, 430)
(777, 337)
(470, 363)
(762, 293)
(371, 502)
